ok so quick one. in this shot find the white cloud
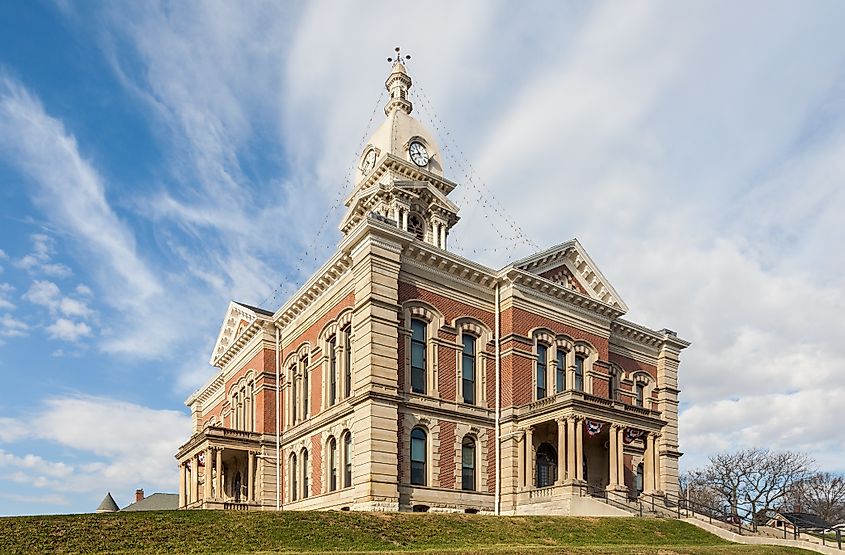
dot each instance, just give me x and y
(119, 445)
(68, 330)
(71, 192)
(84, 290)
(39, 260)
(6, 290)
(44, 293)
(12, 327)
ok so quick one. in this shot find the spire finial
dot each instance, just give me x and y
(398, 58)
(398, 83)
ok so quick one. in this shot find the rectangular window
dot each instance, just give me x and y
(579, 373)
(640, 394)
(347, 353)
(468, 370)
(418, 366)
(418, 457)
(561, 371)
(541, 370)
(304, 475)
(333, 371)
(347, 460)
(468, 465)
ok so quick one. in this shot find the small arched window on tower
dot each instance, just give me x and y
(416, 225)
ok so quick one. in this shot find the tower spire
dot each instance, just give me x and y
(397, 84)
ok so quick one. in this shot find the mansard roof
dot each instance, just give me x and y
(571, 258)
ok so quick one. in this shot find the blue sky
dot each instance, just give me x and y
(160, 159)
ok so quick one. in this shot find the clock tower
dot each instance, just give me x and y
(399, 174)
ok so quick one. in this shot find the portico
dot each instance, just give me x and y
(217, 470)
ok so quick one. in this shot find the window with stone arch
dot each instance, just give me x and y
(563, 361)
(242, 404)
(419, 457)
(543, 342)
(468, 463)
(585, 355)
(643, 386)
(294, 483)
(347, 459)
(305, 473)
(473, 337)
(422, 323)
(614, 381)
(306, 381)
(416, 225)
(336, 342)
(332, 464)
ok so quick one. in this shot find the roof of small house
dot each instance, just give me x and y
(155, 502)
(804, 520)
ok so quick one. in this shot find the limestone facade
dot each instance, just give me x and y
(376, 385)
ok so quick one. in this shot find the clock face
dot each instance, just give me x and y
(369, 162)
(418, 154)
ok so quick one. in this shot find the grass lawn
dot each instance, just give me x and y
(332, 532)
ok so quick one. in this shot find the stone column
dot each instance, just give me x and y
(206, 494)
(570, 448)
(529, 456)
(561, 451)
(218, 486)
(579, 449)
(620, 465)
(195, 478)
(658, 482)
(250, 476)
(520, 465)
(648, 464)
(666, 449)
(182, 478)
(614, 457)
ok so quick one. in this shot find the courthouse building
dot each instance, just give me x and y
(407, 377)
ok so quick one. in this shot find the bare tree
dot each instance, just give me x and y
(822, 494)
(752, 480)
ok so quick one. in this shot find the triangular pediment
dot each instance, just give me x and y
(568, 264)
(238, 318)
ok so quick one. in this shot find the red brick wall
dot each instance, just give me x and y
(631, 365)
(447, 373)
(450, 308)
(447, 454)
(601, 387)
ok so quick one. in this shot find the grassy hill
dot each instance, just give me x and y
(314, 532)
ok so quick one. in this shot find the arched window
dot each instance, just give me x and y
(542, 352)
(416, 226)
(303, 362)
(468, 369)
(638, 484)
(294, 483)
(579, 373)
(418, 366)
(234, 412)
(347, 353)
(640, 394)
(613, 385)
(294, 402)
(333, 370)
(468, 464)
(418, 457)
(332, 464)
(347, 460)
(560, 371)
(304, 474)
(546, 465)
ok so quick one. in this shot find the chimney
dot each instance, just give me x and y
(139, 495)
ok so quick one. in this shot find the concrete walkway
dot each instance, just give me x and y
(759, 540)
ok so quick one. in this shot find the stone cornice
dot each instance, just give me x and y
(558, 291)
(314, 288)
(638, 334)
